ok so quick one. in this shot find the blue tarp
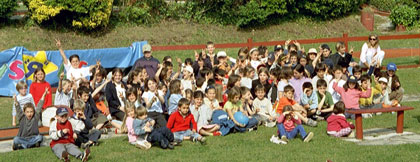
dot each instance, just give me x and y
(19, 64)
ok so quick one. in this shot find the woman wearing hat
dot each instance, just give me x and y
(371, 54)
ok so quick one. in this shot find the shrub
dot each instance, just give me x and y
(328, 8)
(136, 14)
(7, 7)
(84, 14)
(388, 5)
(403, 15)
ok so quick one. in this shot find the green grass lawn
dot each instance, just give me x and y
(255, 146)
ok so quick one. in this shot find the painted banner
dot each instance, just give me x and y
(19, 64)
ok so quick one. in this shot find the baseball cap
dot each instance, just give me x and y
(189, 69)
(271, 56)
(147, 48)
(61, 111)
(312, 50)
(391, 66)
(278, 47)
(221, 54)
(383, 79)
(352, 79)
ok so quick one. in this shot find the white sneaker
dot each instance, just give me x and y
(270, 124)
(276, 140)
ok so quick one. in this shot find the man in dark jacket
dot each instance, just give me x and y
(147, 61)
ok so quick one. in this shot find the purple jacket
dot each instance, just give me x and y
(151, 65)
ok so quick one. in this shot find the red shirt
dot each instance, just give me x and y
(177, 122)
(68, 138)
(337, 122)
(37, 89)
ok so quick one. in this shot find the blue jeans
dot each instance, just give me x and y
(188, 133)
(251, 124)
(348, 115)
(292, 134)
(27, 142)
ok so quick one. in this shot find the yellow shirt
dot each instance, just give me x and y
(369, 101)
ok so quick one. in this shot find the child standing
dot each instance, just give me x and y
(146, 135)
(337, 125)
(28, 135)
(351, 93)
(62, 135)
(38, 86)
(183, 125)
(202, 115)
(264, 108)
(289, 125)
(22, 98)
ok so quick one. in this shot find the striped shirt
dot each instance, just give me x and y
(22, 100)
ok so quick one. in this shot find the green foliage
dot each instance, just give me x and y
(388, 5)
(82, 14)
(137, 14)
(403, 15)
(329, 8)
(7, 7)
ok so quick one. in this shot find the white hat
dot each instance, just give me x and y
(221, 54)
(383, 79)
(312, 50)
(147, 48)
(189, 69)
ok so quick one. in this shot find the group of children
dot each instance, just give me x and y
(156, 105)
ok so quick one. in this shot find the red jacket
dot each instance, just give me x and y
(337, 122)
(178, 123)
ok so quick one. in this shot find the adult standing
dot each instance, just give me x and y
(147, 61)
(371, 53)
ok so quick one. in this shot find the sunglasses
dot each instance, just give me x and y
(372, 38)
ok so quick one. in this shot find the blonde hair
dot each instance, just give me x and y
(376, 42)
(79, 105)
(128, 107)
(21, 84)
(65, 82)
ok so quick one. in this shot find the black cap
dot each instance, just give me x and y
(278, 47)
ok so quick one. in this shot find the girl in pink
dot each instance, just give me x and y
(38, 87)
(351, 93)
(289, 125)
(337, 125)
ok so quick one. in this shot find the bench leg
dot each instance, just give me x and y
(400, 121)
(359, 127)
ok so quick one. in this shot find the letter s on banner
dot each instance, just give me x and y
(14, 67)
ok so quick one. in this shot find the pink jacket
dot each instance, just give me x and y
(351, 96)
(289, 125)
(337, 122)
(131, 136)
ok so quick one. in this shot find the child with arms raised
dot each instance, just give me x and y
(64, 92)
(183, 125)
(202, 115)
(28, 135)
(22, 98)
(154, 99)
(289, 125)
(337, 125)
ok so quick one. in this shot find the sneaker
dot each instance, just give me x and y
(86, 154)
(379, 113)
(203, 140)
(270, 124)
(65, 156)
(351, 135)
(217, 133)
(170, 146)
(311, 123)
(276, 140)
(284, 138)
(308, 137)
(104, 131)
(17, 146)
(163, 143)
(319, 118)
(366, 116)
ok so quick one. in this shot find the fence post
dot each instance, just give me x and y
(249, 43)
(346, 41)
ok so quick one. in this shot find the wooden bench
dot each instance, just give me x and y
(400, 118)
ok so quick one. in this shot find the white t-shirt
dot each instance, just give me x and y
(280, 88)
(120, 90)
(187, 84)
(327, 79)
(335, 95)
(247, 82)
(76, 73)
(157, 105)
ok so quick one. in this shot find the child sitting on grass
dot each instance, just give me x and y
(147, 135)
(337, 125)
(289, 125)
(263, 109)
(62, 135)
(22, 98)
(86, 136)
(28, 135)
(202, 115)
(183, 125)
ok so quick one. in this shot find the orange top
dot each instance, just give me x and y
(284, 101)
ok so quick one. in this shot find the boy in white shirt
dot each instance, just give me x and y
(264, 108)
